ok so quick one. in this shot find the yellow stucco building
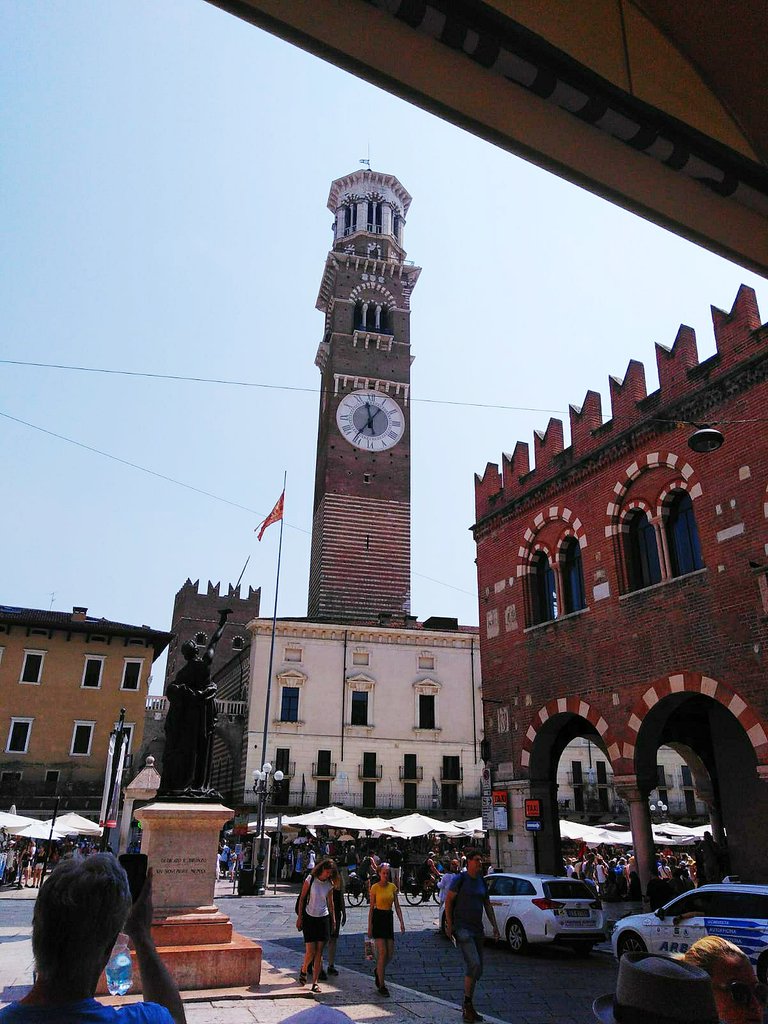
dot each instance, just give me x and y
(64, 677)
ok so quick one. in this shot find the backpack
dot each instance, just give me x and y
(298, 898)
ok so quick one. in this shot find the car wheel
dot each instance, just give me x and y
(516, 939)
(630, 942)
(583, 948)
(762, 968)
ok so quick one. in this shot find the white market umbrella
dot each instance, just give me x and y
(38, 830)
(411, 825)
(10, 821)
(471, 827)
(76, 824)
(339, 817)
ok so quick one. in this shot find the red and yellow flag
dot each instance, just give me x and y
(274, 516)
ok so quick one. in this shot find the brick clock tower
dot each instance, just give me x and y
(361, 529)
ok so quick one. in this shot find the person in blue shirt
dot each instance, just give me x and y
(465, 902)
(81, 908)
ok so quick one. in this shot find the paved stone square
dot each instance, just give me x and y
(549, 986)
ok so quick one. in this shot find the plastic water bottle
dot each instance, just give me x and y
(119, 971)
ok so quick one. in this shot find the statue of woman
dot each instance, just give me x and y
(190, 721)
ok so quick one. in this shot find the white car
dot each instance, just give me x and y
(544, 908)
(735, 912)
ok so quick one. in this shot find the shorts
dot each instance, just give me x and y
(316, 929)
(471, 948)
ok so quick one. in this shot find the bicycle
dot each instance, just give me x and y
(355, 891)
(416, 892)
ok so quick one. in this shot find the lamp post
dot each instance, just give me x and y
(261, 777)
(659, 808)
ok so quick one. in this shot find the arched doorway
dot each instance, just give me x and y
(723, 758)
(558, 729)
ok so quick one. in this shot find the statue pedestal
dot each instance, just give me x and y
(194, 938)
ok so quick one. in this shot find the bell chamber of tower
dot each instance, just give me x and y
(361, 535)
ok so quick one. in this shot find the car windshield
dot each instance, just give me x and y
(569, 889)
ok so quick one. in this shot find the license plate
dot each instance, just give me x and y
(577, 913)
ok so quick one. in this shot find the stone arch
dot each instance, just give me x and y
(373, 286)
(573, 528)
(574, 706)
(633, 506)
(652, 460)
(669, 490)
(696, 683)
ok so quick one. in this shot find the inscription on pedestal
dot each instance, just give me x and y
(181, 866)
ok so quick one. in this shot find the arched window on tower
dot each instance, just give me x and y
(542, 590)
(374, 217)
(682, 535)
(641, 552)
(350, 218)
(574, 598)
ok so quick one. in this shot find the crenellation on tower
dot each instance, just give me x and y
(196, 616)
(739, 337)
(548, 444)
(585, 420)
(674, 363)
(627, 392)
(733, 331)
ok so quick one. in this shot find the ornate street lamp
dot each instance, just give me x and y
(261, 787)
(659, 808)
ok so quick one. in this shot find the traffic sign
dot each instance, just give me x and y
(533, 825)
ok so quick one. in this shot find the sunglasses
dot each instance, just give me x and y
(742, 994)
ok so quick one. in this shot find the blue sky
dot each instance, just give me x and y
(165, 174)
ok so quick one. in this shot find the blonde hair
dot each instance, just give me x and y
(710, 951)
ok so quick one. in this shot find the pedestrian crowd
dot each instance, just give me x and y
(84, 903)
(22, 860)
(615, 876)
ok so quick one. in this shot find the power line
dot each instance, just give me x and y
(180, 483)
(182, 378)
(253, 384)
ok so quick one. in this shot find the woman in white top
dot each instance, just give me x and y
(316, 918)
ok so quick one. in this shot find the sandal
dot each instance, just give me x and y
(302, 977)
(315, 988)
(383, 990)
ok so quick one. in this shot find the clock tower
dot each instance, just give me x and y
(361, 527)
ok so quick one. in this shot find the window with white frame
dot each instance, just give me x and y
(426, 704)
(82, 737)
(18, 736)
(94, 664)
(290, 684)
(360, 701)
(131, 673)
(32, 667)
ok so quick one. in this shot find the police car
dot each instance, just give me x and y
(735, 912)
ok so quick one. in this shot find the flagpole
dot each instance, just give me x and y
(272, 641)
(259, 872)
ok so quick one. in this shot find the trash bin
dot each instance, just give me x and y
(245, 885)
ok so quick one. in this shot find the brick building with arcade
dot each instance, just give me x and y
(623, 587)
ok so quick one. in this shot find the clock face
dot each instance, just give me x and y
(370, 420)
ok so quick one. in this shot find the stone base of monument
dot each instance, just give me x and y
(193, 937)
